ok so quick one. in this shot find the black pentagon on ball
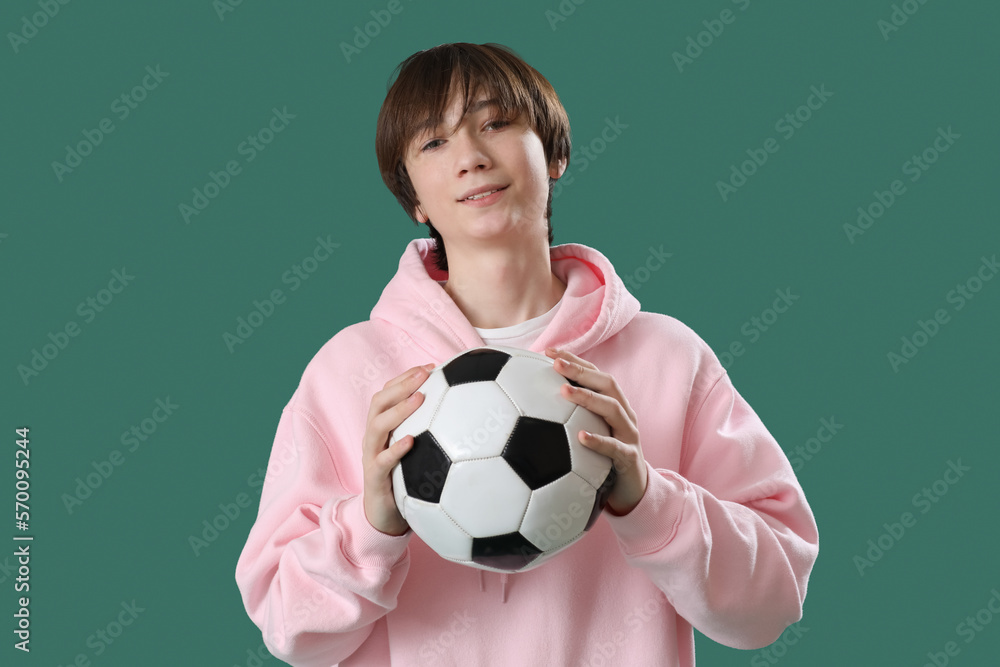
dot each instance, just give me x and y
(425, 468)
(538, 451)
(602, 497)
(479, 365)
(504, 552)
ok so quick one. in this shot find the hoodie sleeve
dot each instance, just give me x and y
(314, 575)
(729, 538)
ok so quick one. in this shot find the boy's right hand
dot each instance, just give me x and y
(396, 401)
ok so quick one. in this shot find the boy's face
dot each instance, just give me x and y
(482, 149)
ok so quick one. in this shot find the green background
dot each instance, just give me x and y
(655, 185)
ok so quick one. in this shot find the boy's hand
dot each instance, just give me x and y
(396, 401)
(601, 395)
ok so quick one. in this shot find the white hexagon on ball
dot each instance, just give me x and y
(533, 384)
(485, 497)
(474, 421)
(587, 463)
(439, 531)
(558, 512)
(418, 422)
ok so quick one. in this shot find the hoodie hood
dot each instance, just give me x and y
(595, 306)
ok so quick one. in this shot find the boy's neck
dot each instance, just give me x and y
(500, 287)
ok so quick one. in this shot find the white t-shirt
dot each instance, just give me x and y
(519, 335)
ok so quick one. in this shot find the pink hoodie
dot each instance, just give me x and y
(723, 539)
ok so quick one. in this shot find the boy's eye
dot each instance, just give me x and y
(498, 123)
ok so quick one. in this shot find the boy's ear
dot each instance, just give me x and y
(558, 168)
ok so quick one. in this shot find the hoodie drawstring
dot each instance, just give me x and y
(503, 585)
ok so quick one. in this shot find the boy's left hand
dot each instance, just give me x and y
(600, 393)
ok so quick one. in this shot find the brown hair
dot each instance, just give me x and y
(423, 88)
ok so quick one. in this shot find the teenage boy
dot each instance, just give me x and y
(706, 525)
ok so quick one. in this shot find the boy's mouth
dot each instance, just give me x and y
(484, 193)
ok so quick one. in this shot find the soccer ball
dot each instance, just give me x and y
(496, 478)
